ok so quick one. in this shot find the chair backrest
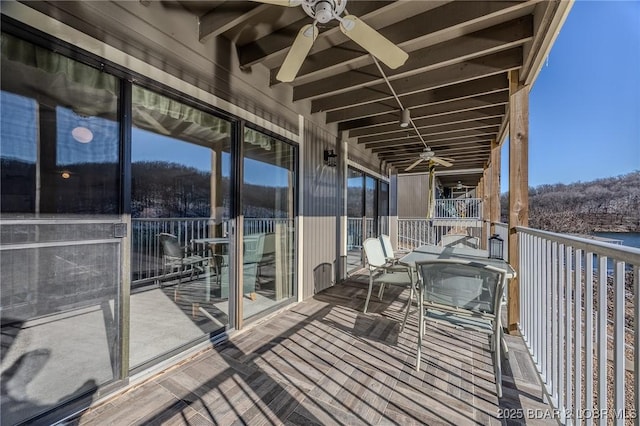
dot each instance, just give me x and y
(374, 252)
(387, 247)
(170, 245)
(459, 241)
(456, 285)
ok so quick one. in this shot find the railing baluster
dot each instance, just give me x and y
(524, 261)
(577, 327)
(547, 313)
(555, 321)
(636, 342)
(588, 336)
(562, 318)
(603, 338)
(568, 330)
(539, 317)
(619, 355)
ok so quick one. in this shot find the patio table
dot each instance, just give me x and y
(431, 252)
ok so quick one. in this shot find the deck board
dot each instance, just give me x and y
(324, 362)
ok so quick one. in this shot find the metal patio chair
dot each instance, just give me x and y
(378, 273)
(465, 295)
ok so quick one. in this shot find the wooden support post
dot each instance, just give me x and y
(494, 214)
(518, 186)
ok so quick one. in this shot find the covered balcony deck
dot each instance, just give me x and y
(325, 362)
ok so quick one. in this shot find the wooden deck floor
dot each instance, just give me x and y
(324, 362)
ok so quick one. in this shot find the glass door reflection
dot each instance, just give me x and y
(268, 206)
(180, 207)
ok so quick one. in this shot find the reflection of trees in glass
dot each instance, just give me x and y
(354, 201)
(89, 188)
(164, 189)
(383, 199)
(18, 186)
(355, 193)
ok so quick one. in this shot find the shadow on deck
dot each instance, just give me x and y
(325, 362)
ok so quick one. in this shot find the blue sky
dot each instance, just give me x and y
(584, 112)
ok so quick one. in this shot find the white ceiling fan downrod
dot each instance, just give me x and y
(324, 10)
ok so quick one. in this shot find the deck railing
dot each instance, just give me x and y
(462, 208)
(579, 317)
(356, 230)
(413, 233)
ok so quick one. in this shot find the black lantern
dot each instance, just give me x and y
(496, 245)
(330, 158)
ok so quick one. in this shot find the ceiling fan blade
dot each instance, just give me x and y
(286, 3)
(374, 42)
(297, 53)
(441, 161)
(418, 161)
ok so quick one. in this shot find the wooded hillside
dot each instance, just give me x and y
(604, 205)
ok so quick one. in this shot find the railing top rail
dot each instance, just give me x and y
(626, 254)
(78, 221)
(169, 219)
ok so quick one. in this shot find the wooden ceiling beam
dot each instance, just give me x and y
(450, 93)
(434, 130)
(461, 164)
(496, 63)
(464, 48)
(443, 150)
(457, 117)
(226, 16)
(461, 105)
(475, 148)
(488, 132)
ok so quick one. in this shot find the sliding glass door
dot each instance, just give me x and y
(268, 207)
(180, 205)
(367, 213)
(61, 229)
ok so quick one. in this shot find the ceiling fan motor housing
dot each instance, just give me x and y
(324, 10)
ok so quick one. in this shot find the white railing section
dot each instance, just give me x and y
(413, 233)
(579, 318)
(462, 208)
(146, 261)
(355, 231)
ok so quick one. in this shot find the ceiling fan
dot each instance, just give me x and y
(323, 11)
(459, 185)
(428, 155)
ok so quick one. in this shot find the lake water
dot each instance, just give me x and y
(631, 239)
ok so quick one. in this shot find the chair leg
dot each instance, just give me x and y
(381, 291)
(366, 303)
(503, 342)
(497, 364)
(406, 314)
(420, 331)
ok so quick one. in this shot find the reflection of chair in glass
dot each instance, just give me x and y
(265, 257)
(179, 259)
(459, 241)
(253, 247)
(465, 295)
(378, 272)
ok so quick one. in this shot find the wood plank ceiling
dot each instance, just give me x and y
(454, 82)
